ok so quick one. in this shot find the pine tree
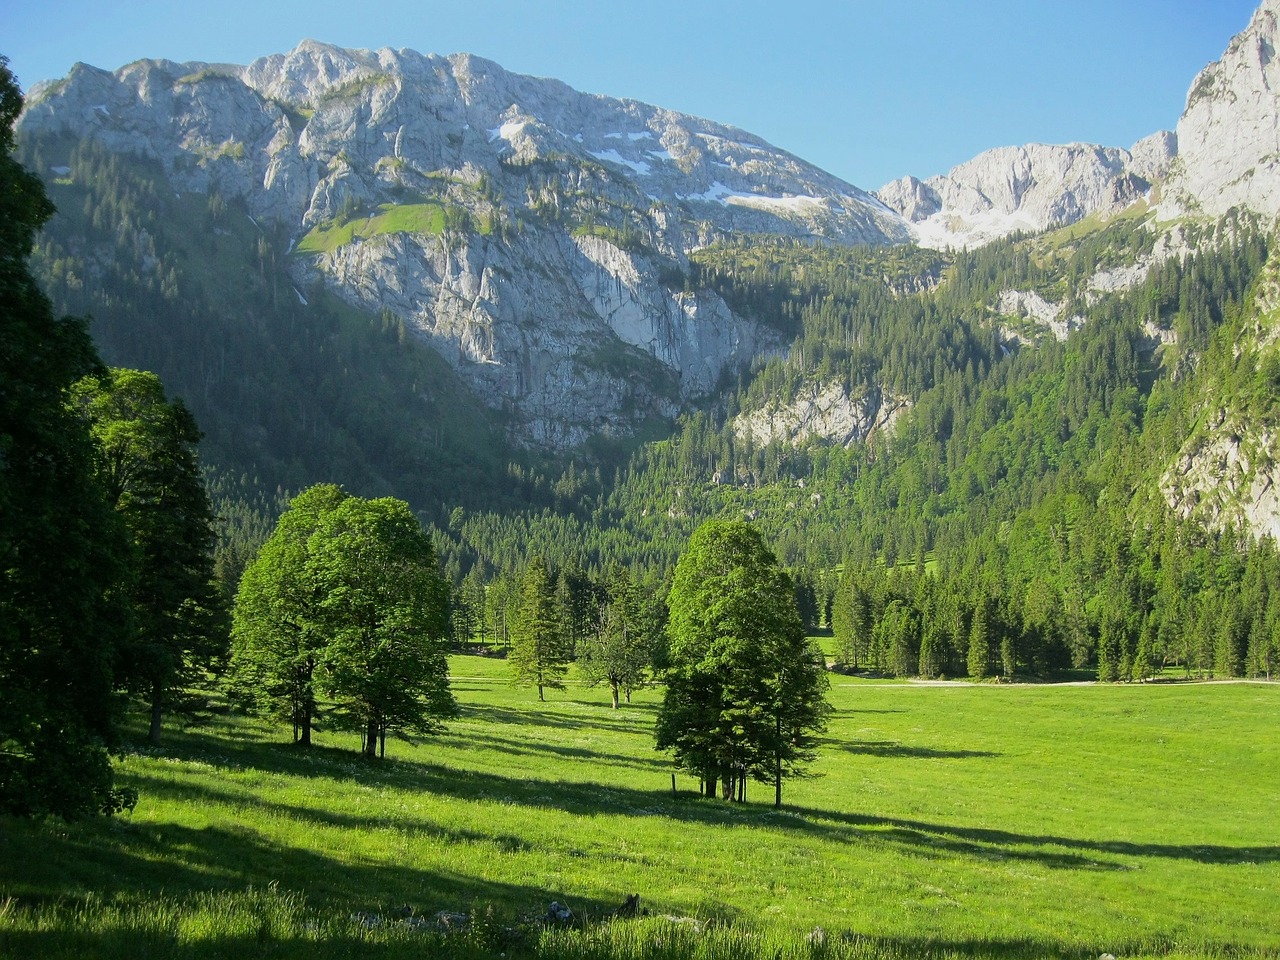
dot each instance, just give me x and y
(539, 655)
(979, 658)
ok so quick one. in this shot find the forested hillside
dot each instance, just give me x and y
(1015, 467)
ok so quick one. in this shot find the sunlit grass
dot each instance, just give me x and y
(964, 820)
(428, 218)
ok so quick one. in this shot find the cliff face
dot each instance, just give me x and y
(534, 235)
(1029, 188)
(1229, 134)
(1228, 471)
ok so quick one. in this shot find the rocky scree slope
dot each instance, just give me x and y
(534, 235)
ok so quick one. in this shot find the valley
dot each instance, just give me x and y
(566, 475)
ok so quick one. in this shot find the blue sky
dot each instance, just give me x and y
(867, 89)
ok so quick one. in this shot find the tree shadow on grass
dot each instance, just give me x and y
(563, 721)
(1004, 844)
(894, 749)
(604, 797)
(527, 748)
(180, 860)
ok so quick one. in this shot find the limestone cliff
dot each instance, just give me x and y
(534, 235)
(1229, 134)
(1029, 188)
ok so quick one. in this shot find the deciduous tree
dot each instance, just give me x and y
(745, 691)
(276, 641)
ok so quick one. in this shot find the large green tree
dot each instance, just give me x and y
(745, 690)
(62, 550)
(147, 462)
(345, 600)
(277, 640)
(384, 615)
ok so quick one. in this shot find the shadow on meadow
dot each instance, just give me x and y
(893, 749)
(49, 864)
(585, 798)
(630, 719)
(1006, 845)
(525, 747)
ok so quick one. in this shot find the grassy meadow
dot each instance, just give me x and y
(943, 821)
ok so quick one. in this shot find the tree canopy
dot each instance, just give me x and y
(745, 690)
(345, 600)
(147, 463)
(62, 551)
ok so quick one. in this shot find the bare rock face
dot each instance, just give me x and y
(1229, 134)
(555, 285)
(1228, 471)
(823, 411)
(1029, 188)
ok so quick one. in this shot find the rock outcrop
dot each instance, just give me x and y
(1229, 134)
(823, 412)
(1029, 188)
(1228, 472)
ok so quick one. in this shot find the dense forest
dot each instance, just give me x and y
(1009, 524)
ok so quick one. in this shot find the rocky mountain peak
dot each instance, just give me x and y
(1028, 188)
(1229, 134)
(536, 236)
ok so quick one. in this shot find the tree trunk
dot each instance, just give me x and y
(153, 735)
(540, 696)
(709, 786)
(613, 688)
(304, 734)
(371, 740)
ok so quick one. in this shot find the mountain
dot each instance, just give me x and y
(1229, 134)
(535, 236)
(1029, 189)
(1224, 155)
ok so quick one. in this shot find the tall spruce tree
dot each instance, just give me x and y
(147, 462)
(539, 652)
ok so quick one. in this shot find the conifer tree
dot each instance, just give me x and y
(979, 658)
(538, 655)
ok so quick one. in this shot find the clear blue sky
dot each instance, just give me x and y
(867, 89)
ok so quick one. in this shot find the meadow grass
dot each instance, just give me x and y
(954, 821)
(426, 218)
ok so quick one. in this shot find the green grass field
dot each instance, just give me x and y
(391, 218)
(966, 820)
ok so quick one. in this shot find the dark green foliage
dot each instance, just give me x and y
(63, 558)
(146, 461)
(382, 612)
(277, 640)
(620, 648)
(540, 651)
(745, 691)
(345, 600)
